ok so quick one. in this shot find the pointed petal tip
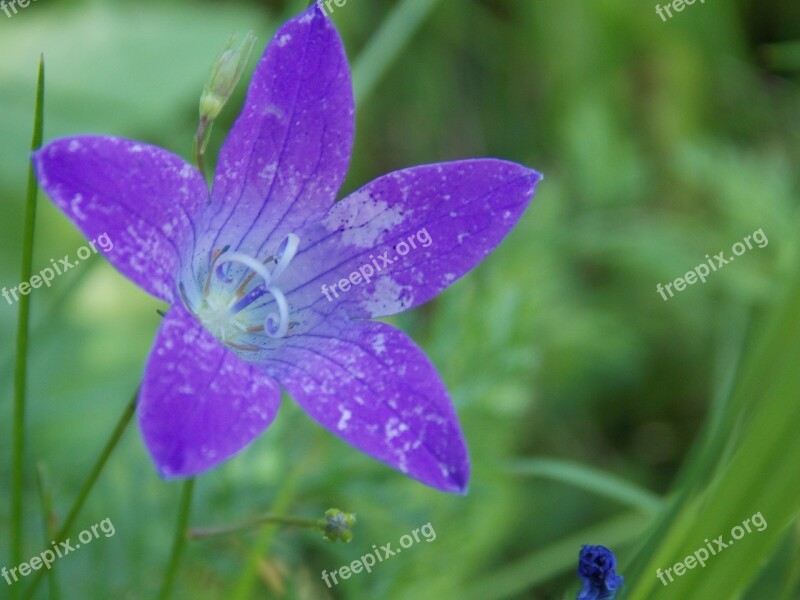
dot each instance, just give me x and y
(315, 11)
(460, 479)
(168, 474)
(533, 177)
(460, 487)
(455, 483)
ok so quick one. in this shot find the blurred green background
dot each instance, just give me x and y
(595, 411)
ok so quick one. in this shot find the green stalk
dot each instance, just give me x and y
(261, 545)
(254, 523)
(111, 444)
(386, 45)
(180, 540)
(48, 522)
(21, 370)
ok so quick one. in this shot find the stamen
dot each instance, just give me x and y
(286, 250)
(240, 289)
(251, 263)
(249, 278)
(214, 257)
(237, 305)
(231, 317)
(283, 317)
(245, 347)
(182, 291)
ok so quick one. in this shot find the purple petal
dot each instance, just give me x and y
(370, 385)
(288, 152)
(146, 199)
(434, 223)
(199, 403)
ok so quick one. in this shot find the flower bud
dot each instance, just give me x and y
(224, 76)
(596, 567)
(337, 525)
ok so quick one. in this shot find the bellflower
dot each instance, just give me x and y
(596, 565)
(243, 266)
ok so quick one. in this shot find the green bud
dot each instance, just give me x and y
(224, 76)
(337, 525)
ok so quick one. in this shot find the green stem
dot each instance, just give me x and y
(180, 540)
(21, 370)
(261, 545)
(253, 523)
(111, 444)
(41, 326)
(200, 142)
(48, 521)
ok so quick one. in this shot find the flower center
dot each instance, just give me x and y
(241, 300)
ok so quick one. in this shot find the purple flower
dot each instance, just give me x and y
(246, 267)
(596, 566)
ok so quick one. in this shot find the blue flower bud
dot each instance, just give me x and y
(596, 566)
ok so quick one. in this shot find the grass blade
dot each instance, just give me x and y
(21, 370)
(591, 480)
(387, 43)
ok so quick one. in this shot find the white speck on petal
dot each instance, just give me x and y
(273, 110)
(386, 298)
(379, 344)
(362, 220)
(391, 429)
(75, 207)
(346, 414)
(268, 172)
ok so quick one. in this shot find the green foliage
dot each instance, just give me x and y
(595, 411)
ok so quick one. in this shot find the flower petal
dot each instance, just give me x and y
(370, 385)
(199, 403)
(146, 199)
(412, 233)
(288, 152)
